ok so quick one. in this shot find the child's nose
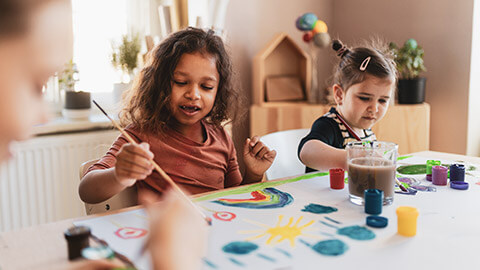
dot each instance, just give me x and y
(193, 93)
(374, 107)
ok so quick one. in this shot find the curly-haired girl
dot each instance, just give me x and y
(176, 109)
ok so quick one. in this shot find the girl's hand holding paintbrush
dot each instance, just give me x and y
(177, 238)
(133, 163)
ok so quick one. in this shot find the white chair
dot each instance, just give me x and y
(126, 198)
(286, 144)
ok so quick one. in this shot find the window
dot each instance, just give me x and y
(95, 25)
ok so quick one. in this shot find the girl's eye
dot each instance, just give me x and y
(179, 82)
(207, 87)
(383, 101)
(364, 98)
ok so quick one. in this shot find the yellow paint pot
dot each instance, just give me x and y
(407, 220)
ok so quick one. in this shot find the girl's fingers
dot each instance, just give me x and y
(254, 140)
(271, 155)
(257, 148)
(133, 159)
(142, 150)
(135, 163)
(262, 152)
(132, 167)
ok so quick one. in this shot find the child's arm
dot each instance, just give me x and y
(321, 156)
(133, 162)
(258, 158)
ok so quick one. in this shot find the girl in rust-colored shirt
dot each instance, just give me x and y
(175, 110)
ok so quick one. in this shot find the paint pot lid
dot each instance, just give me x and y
(336, 171)
(377, 221)
(461, 185)
(76, 232)
(458, 166)
(98, 253)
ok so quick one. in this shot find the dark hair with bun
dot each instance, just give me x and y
(348, 72)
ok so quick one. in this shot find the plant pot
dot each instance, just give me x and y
(411, 91)
(77, 105)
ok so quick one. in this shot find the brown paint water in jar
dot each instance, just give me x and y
(369, 173)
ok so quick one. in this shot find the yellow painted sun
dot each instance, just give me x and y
(286, 232)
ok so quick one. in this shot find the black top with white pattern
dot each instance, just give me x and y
(330, 130)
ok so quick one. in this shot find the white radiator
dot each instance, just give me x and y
(40, 183)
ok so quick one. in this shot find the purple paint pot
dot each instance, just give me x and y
(429, 177)
(439, 175)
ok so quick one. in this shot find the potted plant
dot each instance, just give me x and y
(124, 58)
(409, 60)
(77, 103)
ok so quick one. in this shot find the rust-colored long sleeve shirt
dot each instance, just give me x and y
(195, 167)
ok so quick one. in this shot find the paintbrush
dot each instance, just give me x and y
(157, 167)
(404, 189)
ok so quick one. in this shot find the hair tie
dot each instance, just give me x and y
(364, 64)
(339, 48)
(342, 51)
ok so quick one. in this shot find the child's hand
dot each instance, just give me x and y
(257, 157)
(133, 162)
(176, 230)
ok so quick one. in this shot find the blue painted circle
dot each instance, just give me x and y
(239, 248)
(333, 247)
(357, 232)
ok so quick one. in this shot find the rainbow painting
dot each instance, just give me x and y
(261, 199)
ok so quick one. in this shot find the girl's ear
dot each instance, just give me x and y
(338, 94)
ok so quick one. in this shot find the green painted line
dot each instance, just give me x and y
(422, 169)
(413, 169)
(404, 157)
(254, 187)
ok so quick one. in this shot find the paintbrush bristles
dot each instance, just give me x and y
(155, 165)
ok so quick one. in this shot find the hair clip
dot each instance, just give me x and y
(364, 64)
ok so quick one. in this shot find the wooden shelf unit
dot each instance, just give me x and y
(280, 57)
(406, 125)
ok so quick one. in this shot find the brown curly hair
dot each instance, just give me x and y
(147, 103)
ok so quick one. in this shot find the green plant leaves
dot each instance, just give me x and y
(409, 59)
(125, 55)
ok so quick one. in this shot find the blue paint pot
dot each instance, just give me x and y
(373, 201)
(457, 172)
